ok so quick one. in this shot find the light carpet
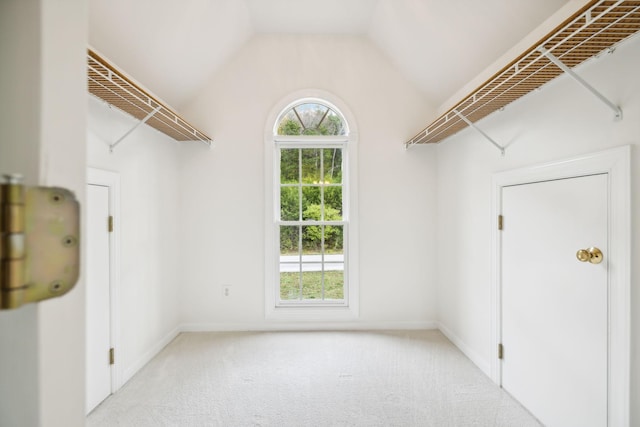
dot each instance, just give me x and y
(395, 378)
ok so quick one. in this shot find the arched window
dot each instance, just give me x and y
(311, 118)
(311, 216)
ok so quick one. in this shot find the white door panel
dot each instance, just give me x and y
(98, 332)
(554, 308)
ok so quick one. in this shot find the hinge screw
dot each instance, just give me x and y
(55, 286)
(69, 241)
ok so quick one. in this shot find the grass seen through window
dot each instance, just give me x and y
(312, 285)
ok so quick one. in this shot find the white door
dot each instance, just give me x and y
(554, 307)
(98, 330)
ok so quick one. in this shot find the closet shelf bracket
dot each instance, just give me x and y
(480, 131)
(551, 57)
(143, 121)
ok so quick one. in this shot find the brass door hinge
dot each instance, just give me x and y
(39, 242)
(500, 222)
(500, 351)
(112, 356)
(110, 224)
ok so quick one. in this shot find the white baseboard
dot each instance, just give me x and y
(306, 326)
(479, 361)
(130, 371)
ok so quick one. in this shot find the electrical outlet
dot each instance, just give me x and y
(226, 290)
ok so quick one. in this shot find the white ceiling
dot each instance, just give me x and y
(311, 16)
(173, 47)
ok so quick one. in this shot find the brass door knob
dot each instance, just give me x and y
(593, 255)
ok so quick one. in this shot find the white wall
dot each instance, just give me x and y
(149, 280)
(223, 189)
(560, 121)
(62, 161)
(41, 358)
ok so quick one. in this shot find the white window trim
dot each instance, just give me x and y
(312, 312)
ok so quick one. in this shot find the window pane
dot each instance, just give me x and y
(311, 203)
(332, 165)
(333, 203)
(312, 243)
(311, 115)
(311, 165)
(312, 281)
(289, 166)
(334, 281)
(311, 119)
(334, 239)
(289, 203)
(311, 253)
(333, 124)
(289, 241)
(289, 125)
(289, 262)
(290, 285)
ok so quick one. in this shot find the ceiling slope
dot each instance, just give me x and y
(311, 16)
(441, 45)
(173, 48)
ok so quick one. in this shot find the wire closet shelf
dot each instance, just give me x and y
(107, 83)
(594, 29)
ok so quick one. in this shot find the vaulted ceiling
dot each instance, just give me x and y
(173, 47)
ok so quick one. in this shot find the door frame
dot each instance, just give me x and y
(112, 181)
(616, 164)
